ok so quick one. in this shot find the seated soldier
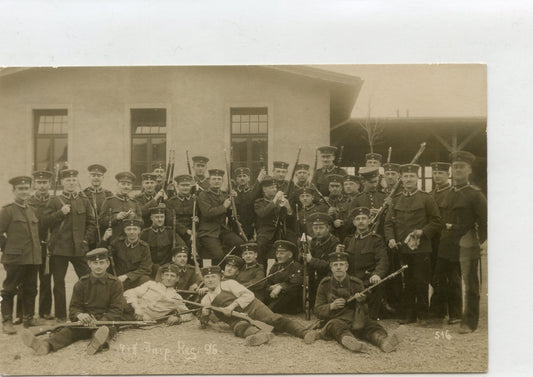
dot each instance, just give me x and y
(339, 303)
(285, 287)
(95, 297)
(131, 255)
(252, 272)
(156, 299)
(231, 267)
(160, 238)
(367, 258)
(231, 296)
(188, 278)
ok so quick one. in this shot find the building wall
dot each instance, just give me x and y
(197, 99)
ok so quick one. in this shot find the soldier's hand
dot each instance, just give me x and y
(193, 287)
(373, 212)
(261, 175)
(275, 291)
(338, 223)
(173, 320)
(122, 215)
(160, 194)
(196, 219)
(359, 297)
(340, 248)
(305, 238)
(108, 234)
(122, 278)
(393, 244)
(206, 312)
(227, 203)
(337, 304)
(374, 279)
(202, 291)
(65, 209)
(332, 211)
(483, 247)
(449, 226)
(86, 319)
(139, 317)
(233, 193)
(227, 310)
(308, 257)
(387, 201)
(418, 232)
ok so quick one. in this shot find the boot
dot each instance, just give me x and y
(41, 347)
(8, 328)
(30, 321)
(388, 342)
(259, 338)
(312, 335)
(98, 340)
(353, 344)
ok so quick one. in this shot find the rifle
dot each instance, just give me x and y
(260, 325)
(374, 223)
(225, 256)
(305, 249)
(194, 252)
(169, 173)
(234, 214)
(281, 213)
(173, 228)
(389, 155)
(268, 277)
(388, 277)
(44, 330)
(48, 248)
(262, 162)
(316, 163)
(188, 163)
(111, 259)
(187, 292)
(339, 159)
(313, 186)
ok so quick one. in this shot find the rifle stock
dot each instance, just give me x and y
(234, 214)
(111, 259)
(48, 247)
(194, 251)
(304, 247)
(283, 211)
(43, 330)
(388, 277)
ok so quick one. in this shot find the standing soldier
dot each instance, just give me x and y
(21, 254)
(374, 160)
(351, 185)
(39, 200)
(72, 228)
(120, 206)
(181, 206)
(392, 175)
(212, 229)
(338, 204)
(97, 194)
(302, 181)
(465, 219)
(148, 197)
(279, 173)
(411, 222)
(199, 167)
(370, 197)
(327, 157)
(307, 206)
(246, 197)
(158, 170)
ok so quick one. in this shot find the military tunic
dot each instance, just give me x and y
(266, 212)
(187, 277)
(110, 209)
(249, 275)
(99, 195)
(305, 213)
(201, 183)
(182, 208)
(160, 241)
(291, 279)
(133, 260)
(319, 264)
(146, 201)
(321, 181)
(245, 200)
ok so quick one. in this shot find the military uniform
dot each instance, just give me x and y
(321, 180)
(305, 214)
(245, 200)
(181, 206)
(146, 201)
(249, 275)
(319, 264)
(187, 277)
(266, 214)
(110, 209)
(160, 240)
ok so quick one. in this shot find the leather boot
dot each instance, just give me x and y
(99, 339)
(351, 343)
(8, 328)
(41, 347)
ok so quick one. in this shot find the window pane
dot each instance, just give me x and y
(148, 121)
(239, 150)
(245, 128)
(236, 128)
(263, 117)
(245, 118)
(254, 118)
(43, 154)
(60, 150)
(159, 148)
(236, 118)
(138, 168)
(263, 129)
(139, 150)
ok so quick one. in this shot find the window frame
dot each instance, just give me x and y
(37, 112)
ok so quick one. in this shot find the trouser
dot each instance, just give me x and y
(447, 289)
(469, 273)
(289, 301)
(417, 285)
(375, 298)
(69, 335)
(394, 287)
(372, 331)
(58, 269)
(129, 284)
(45, 287)
(212, 247)
(265, 248)
(25, 277)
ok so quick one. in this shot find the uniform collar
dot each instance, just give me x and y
(324, 241)
(43, 198)
(148, 196)
(21, 205)
(102, 279)
(215, 190)
(200, 180)
(252, 265)
(331, 169)
(442, 188)
(184, 197)
(309, 207)
(95, 190)
(123, 197)
(360, 236)
(244, 189)
(461, 187)
(343, 283)
(69, 195)
(131, 245)
(158, 229)
(407, 193)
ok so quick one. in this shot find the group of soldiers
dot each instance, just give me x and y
(267, 247)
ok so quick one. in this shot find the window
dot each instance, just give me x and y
(249, 138)
(51, 134)
(148, 139)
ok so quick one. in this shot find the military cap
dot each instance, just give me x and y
(216, 172)
(250, 246)
(169, 267)
(368, 172)
(132, 222)
(360, 211)
(373, 156)
(158, 165)
(280, 165)
(160, 208)
(462, 156)
(125, 176)
(22, 180)
(328, 149)
(97, 168)
(302, 167)
(182, 249)
(440, 166)
(335, 178)
(234, 260)
(268, 181)
(338, 256)
(352, 178)
(282, 245)
(68, 173)
(320, 218)
(42, 175)
(389, 166)
(200, 159)
(241, 171)
(409, 168)
(210, 270)
(97, 254)
(148, 177)
(305, 190)
(184, 178)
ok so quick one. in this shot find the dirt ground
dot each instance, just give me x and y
(187, 349)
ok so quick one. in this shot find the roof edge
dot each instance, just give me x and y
(320, 74)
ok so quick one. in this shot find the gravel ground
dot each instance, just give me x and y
(187, 349)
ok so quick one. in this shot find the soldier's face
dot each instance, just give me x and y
(184, 188)
(249, 256)
(283, 256)
(350, 187)
(199, 168)
(169, 279)
(270, 191)
(372, 163)
(306, 199)
(124, 187)
(335, 188)
(69, 184)
(98, 267)
(242, 179)
(409, 180)
(339, 268)
(212, 281)
(132, 233)
(279, 173)
(440, 177)
(160, 172)
(149, 186)
(230, 270)
(96, 179)
(461, 171)
(180, 259)
(392, 177)
(21, 192)
(327, 159)
(302, 176)
(42, 185)
(320, 231)
(215, 181)
(158, 219)
(372, 183)
(361, 222)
